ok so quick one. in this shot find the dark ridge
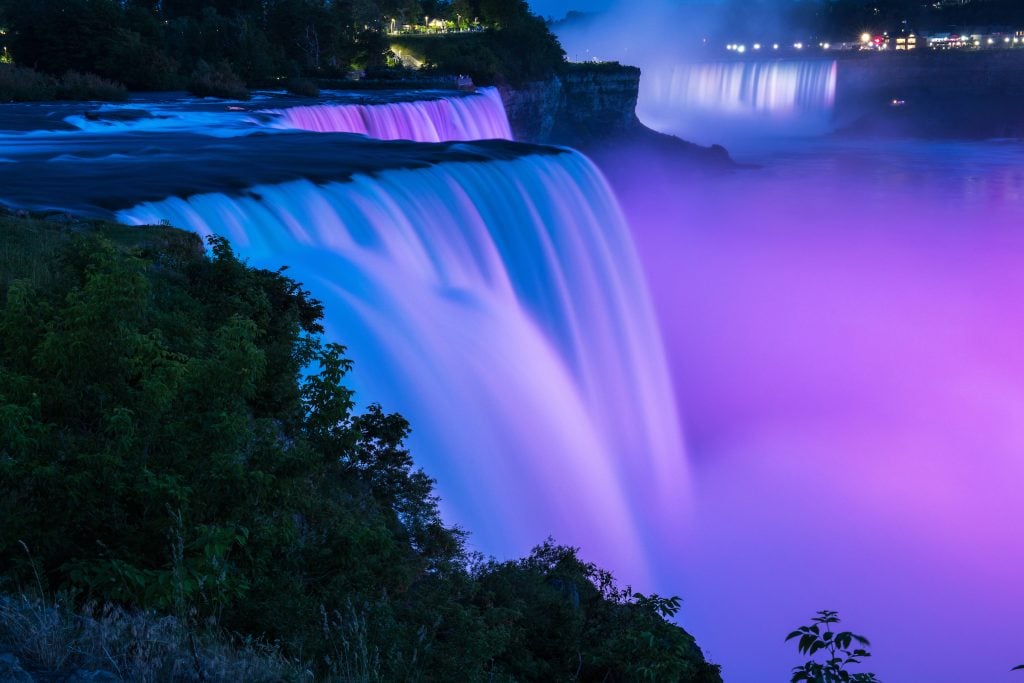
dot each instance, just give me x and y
(96, 175)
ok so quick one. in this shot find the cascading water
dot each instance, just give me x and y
(445, 117)
(705, 99)
(500, 307)
(472, 117)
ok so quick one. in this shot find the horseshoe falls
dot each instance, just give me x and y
(712, 101)
(500, 307)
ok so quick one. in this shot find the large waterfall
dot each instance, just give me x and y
(500, 307)
(472, 117)
(487, 290)
(704, 97)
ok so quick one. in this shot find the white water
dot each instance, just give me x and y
(500, 307)
(472, 117)
(445, 118)
(705, 101)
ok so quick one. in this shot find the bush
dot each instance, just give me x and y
(78, 86)
(217, 81)
(19, 84)
(303, 87)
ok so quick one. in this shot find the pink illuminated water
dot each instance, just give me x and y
(500, 308)
(480, 116)
(845, 330)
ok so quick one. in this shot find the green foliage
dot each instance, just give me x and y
(303, 87)
(217, 80)
(564, 619)
(78, 86)
(19, 84)
(838, 648)
(159, 46)
(174, 436)
(518, 47)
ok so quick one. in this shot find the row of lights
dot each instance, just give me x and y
(739, 47)
(879, 42)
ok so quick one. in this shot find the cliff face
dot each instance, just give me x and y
(585, 104)
(593, 107)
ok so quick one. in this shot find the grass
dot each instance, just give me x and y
(52, 637)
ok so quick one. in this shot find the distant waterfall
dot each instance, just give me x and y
(471, 117)
(501, 308)
(787, 96)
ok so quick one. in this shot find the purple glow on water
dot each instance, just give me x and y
(844, 328)
(472, 117)
(500, 307)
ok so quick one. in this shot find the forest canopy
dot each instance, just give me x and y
(160, 44)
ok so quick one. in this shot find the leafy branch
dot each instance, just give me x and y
(839, 649)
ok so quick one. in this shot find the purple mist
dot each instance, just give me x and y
(844, 329)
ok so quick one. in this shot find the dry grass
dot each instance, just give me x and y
(50, 637)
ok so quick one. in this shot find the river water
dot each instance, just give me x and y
(844, 323)
(841, 318)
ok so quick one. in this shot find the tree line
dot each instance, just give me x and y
(159, 44)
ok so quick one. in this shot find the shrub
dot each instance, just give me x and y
(838, 648)
(20, 84)
(303, 87)
(78, 86)
(217, 81)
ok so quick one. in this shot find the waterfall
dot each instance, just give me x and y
(444, 118)
(470, 117)
(500, 307)
(794, 96)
